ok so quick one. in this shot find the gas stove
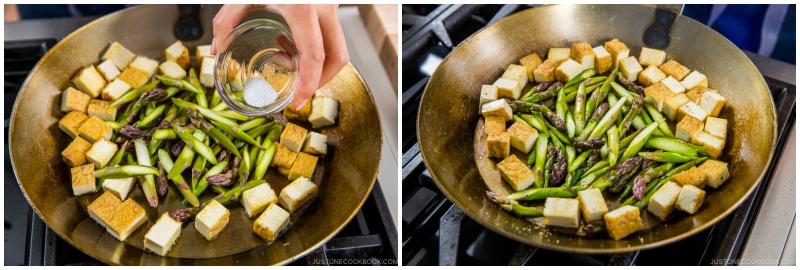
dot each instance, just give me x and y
(435, 232)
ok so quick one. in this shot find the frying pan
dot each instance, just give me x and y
(345, 175)
(449, 122)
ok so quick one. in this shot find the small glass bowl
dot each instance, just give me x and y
(258, 48)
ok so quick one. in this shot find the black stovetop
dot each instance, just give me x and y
(435, 232)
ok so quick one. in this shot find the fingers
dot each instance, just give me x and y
(225, 21)
(304, 23)
(335, 46)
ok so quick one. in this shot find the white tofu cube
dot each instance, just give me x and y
(497, 108)
(593, 206)
(145, 64)
(498, 144)
(115, 90)
(694, 79)
(516, 173)
(119, 187)
(523, 136)
(201, 53)
(673, 85)
(316, 144)
(602, 59)
(567, 70)
(562, 212)
(517, 72)
(108, 70)
(271, 222)
(651, 75)
(630, 68)
(583, 54)
(297, 193)
(256, 200)
(179, 54)
(101, 153)
(323, 111)
(508, 88)
(691, 108)
(89, 81)
(712, 103)
(162, 235)
(172, 70)
(212, 220)
(623, 221)
(663, 201)
(74, 100)
(716, 172)
(717, 127)
(713, 144)
(488, 93)
(118, 55)
(652, 57)
(671, 105)
(690, 199)
(83, 181)
(617, 49)
(207, 71)
(687, 128)
(559, 55)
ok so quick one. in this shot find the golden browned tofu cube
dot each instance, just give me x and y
(99, 108)
(172, 70)
(134, 77)
(531, 62)
(498, 144)
(119, 218)
(567, 70)
(95, 129)
(300, 115)
(671, 105)
(712, 103)
(651, 75)
(201, 53)
(693, 176)
(178, 54)
(690, 108)
(558, 55)
(71, 123)
(674, 69)
(108, 70)
(297, 194)
(623, 221)
(518, 73)
(713, 144)
(717, 127)
(284, 158)
(509, 88)
(89, 81)
(651, 57)
(303, 166)
(316, 144)
(515, 173)
(630, 68)
(74, 100)
(602, 61)
(663, 201)
(212, 220)
(115, 90)
(695, 94)
(562, 212)
(583, 54)
(618, 50)
(523, 136)
(494, 124)
(690, 199)
(545, 72)
(101, 153)
(716, 172)
(82, 179)
(75, 154)
(687, 127)
(144, 64)
(271, 222)
(497, 108)
(293, 137)
(119, 55)
(658, 93)
(695, 79)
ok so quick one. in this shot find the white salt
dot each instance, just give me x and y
(259, 93)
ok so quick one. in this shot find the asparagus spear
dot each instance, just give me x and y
(548, 165)
(263, 162)
(543, 193)
(513, 206)
(580, 107)
(146, 97)
(186, 214)
(670, 145)
(552, 91)
(635, 109)
(639, 141)
(613, 145)
(601, 110)
(186, 155)
(665, 157)
(149, 185)
(662, 126)
(571, 127)
(590, 178)
(606, 122)
(620, 175)
(595, 143)
(640, 181)
(124, 171)
(133, 94)
(559, 171)
(586, 74)
(541, 154)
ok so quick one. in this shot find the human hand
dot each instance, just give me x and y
(317, 34)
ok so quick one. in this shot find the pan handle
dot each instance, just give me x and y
(188, 26)
(657, 35)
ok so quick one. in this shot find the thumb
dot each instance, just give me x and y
(227, 18)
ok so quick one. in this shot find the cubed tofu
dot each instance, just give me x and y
(531, 62)
(212, 220)
(89, 81)
(623, 222)
(271, 222)
(712, 103)
(602, 59)
(201, 52)
(583, 54)
(98, 108)
(691, 108)
(651, 75)
(674, 69)
(507, 88)
(297, 193)
(523, 136)
(558, 55)
(651, 57)
(101, 153)
(162, 235)
(658, 93)
(120, 187)
(114, 90)
(283, 171)
(498, 144)
(316, 144)
(562, 212)
(303, 166)
(713, 144)
(179, 54)
(694, 79)
(144, 64)
(630, 68)
(95, 129)
(545, 72)
(673, 85)
(517, 72)
(489, 93)
(663, 201)
(75, 154)
(497, 108)
(292, 113)
(716, 172)
(618, 51)
(72, 122)
(690, 199)
(118, 55)
(256, 200)
(293, 136)
(74, 100)
(695, 94)
(323, 111)
(567, 70)
(82, 179)
(593, 206)
(134, 77)
(494, 124)
(687, 128)
(693, 177)
(108, 70)
(207, 71)
(126, 219)
(516, 173)
(172, 70)
(717, 127)
(283, 158)
(103, 208)
(671, 105)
